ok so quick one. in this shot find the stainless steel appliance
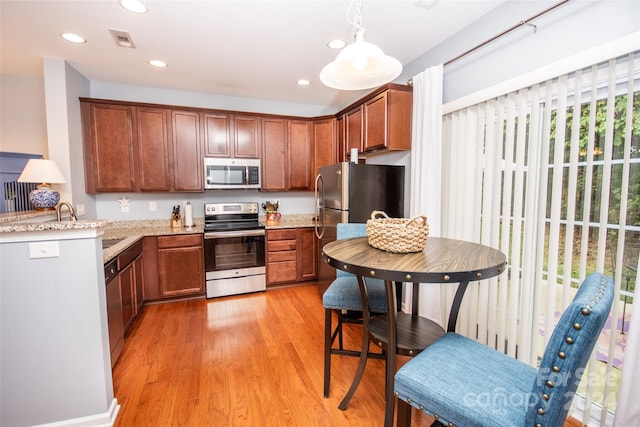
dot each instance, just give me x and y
(349, 192)
(234, 255)
(231, 173)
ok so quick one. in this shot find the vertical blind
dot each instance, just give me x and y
(550, 175)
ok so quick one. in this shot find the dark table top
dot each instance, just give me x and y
(442, 261)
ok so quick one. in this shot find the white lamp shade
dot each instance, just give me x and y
(360, 65)
(43, 171)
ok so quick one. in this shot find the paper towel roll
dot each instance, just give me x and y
(188, 215)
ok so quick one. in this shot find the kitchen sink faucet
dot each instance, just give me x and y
(72, 214)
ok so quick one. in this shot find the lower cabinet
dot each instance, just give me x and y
(174, 266)
(291, 255)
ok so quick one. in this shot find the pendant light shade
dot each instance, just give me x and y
(360, 65)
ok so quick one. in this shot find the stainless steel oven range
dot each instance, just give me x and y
(234, 252)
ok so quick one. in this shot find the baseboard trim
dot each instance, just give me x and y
(105, 419)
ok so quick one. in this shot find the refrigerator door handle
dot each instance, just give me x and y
(319, 225)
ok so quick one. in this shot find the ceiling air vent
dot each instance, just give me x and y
(122, 38)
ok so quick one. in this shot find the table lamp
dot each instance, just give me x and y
(45, 172)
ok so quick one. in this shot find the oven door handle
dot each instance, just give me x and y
(238, 233)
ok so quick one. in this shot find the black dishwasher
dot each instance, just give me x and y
(114, 310)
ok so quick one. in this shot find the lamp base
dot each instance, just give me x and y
(44, 199)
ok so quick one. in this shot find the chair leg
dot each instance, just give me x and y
(327, 351)
(404, 414)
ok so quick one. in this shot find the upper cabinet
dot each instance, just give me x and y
(152, 149)
(188, 166)
(130, 148)
(231, 136)
(325, 144)
(287, 155)
(379, 122)
(108, 133)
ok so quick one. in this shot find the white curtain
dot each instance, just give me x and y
(426, 168)
(628, 410)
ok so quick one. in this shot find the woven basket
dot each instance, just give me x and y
(398, 235)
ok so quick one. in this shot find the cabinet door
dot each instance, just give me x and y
(152, 149)
(217, 135)
(274, 154)
(324, 144)
(307, 259)
(375, 118)
(187, 153)
(181, 271)
(127, 290)
(108, 148)
(341, 146)
(300, 155)
(353, 130)
(246, 137)
(138, 272)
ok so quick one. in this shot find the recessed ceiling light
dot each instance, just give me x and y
(157, 63)
(74, 38)
(135, 6)
(336, 44)
(303, 82)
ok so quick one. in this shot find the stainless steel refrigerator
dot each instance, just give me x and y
(349, 192)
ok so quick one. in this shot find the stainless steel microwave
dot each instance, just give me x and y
(231, 173)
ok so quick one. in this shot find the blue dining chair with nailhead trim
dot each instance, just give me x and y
(343, 298)
(463, 383)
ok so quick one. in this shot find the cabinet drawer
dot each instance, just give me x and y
(282, 234)
(281, 256)
(281, 245)
(179, 241)
(280, 272)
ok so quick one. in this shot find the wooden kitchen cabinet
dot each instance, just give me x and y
(286, 155)
(324, 144)
(300, 148)
(108, 135)
(291, 255)
(131, 280)
(353, 131)
(188, 169)
(274, 154)
(307, 254)
(379, 122)
(387, 118)
(180, 261)
(152, 149)
(231, 136)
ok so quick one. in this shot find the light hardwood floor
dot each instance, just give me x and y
(249, 360)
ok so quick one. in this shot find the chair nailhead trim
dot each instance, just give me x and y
(540, 411)
(577, 326)
(410, 352)
(586, 311)
(409, 400)
(450, 424)
(395, 393)
(372, 273)
(545, 396)
(555, 369)
(538, 425)
(422, 407)
(436, 416)
(568, 340)
(562, 355)
(549, 383)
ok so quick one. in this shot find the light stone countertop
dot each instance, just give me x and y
(129, 231)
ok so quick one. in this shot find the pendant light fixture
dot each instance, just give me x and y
(360, 65)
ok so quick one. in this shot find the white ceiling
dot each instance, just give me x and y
(242, 48)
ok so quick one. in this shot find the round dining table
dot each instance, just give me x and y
(442, 261)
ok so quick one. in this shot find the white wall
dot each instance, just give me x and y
(22, 114)
(572, 28)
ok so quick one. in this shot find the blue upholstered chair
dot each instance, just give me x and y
(464, 383)
(343, 297)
